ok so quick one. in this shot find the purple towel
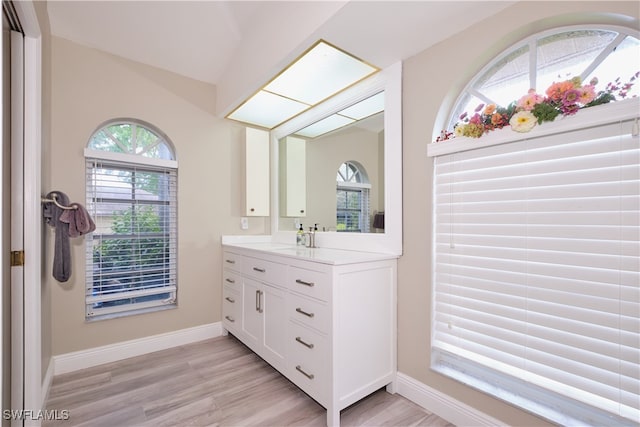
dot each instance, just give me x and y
(62, 250)
(79, 220)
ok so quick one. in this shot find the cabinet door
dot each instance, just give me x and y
(275, 324)
(293, 177)
(257, 172)
(252, 313)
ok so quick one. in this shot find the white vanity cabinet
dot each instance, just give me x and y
(326, 319)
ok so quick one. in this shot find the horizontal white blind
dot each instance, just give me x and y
(131, 258)
(352, 213)
(537, 261)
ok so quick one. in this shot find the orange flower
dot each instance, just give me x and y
(490, 109)
(557, 90)
(496, 119)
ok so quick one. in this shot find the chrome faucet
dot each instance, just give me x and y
(311, 236)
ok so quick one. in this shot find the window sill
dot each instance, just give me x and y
(130, 313)
(537, 401)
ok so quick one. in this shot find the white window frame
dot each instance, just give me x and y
(471, 91)
(133, 160)
(356, 182)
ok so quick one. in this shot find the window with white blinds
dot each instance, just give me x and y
(536, 273)
(131, 257)
(352, 199)
(352, 209)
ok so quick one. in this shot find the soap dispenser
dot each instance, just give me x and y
(301, 237)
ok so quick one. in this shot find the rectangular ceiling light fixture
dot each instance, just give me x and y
(363, 109)
(318, 74)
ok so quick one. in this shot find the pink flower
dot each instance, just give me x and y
(587, 94)
(475, 119)
(570, 97)
(529, 101)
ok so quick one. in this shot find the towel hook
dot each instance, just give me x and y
(55, 202)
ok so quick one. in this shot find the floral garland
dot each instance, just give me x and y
(563, 98)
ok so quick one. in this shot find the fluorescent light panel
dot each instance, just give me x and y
(317, 75)
(325, 125)
(363, 109)
(264, 109)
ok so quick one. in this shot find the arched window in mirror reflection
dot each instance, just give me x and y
(352, 194)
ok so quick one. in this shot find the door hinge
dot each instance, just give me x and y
(17, 258)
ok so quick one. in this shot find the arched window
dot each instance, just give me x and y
(535, 239)
(132, 195)
(352, 209)
(607, 54)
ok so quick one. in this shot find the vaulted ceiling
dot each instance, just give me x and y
(240, 45)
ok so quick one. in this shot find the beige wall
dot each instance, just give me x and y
(90, 87)
(430, 79)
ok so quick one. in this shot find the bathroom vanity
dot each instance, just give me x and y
(325, 318)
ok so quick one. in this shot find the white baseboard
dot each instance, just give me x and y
(443, 405)
(70, 362)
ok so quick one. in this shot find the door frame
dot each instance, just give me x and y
(17, 220)
(33, 393)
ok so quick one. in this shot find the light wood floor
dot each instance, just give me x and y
(218, 382)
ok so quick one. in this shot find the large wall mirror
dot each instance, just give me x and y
(339, 166)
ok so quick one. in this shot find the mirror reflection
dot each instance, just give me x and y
(335, 179)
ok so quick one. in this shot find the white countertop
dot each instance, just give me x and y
(321, 255)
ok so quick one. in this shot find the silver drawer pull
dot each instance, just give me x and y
(302, 282)
(230, 280)
(299, 369)
(301, 311)
(259, 270)
(230, 319)
(231, 261)
(306, 344)
(231, 300)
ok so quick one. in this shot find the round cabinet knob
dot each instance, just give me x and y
(301, 210)
(252, 210)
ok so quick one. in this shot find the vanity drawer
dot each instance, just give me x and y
(232, 261)
(263, 270)
(231, 309)
(312, 283)
(310, 312)
(308, 357)
(232, 280)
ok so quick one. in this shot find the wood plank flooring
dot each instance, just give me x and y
(217, 382)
